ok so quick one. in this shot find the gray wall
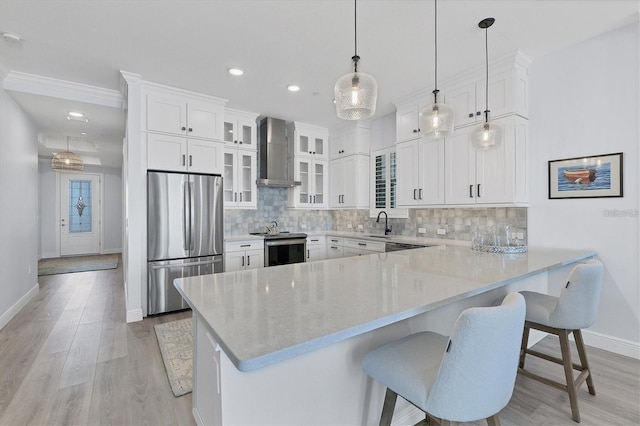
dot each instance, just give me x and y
(18, 207)
(585, 101)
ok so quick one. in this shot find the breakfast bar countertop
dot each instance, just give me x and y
(263, 316)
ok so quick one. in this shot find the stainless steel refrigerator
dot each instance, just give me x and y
(184, 234)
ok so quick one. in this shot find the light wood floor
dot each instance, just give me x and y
(69, 358)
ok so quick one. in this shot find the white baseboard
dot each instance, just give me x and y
(134, 315)
(611, 344)
(13, 310)
(49, 255)
(112, 251)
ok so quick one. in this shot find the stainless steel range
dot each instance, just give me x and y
(283, 248)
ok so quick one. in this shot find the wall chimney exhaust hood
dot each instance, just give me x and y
(272, 155)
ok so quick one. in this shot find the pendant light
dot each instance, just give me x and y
(67, 161)
(436, 120)
(355, 93)
(487, 135)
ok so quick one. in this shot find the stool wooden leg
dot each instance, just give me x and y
(568, 372)
(493, 420)
(388, 407)
(523, 346)
(583, 359)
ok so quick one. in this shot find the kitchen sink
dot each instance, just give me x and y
(391, 246)
(378, 236)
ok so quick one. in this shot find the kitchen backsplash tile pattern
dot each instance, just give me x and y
(458, 223)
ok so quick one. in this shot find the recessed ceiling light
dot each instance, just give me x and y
(76, 114)
(293, 88)
(77, 119)
(7, 35)
(83, 133)
(236, 71)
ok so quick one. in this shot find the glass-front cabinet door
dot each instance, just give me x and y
(240, 130)
(304, 193)
(319, 175)
(240, 179)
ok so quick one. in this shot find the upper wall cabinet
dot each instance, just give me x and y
(180, 154)
(507, 95)
(169, 111)
(421, 175)
(240, 129)
(307, 140)
(354, 138)
(408, 119)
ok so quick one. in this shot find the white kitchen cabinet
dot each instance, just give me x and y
(240, 173)
(349, 182)
(307, 140)
(357, 247)
(316, 248)
(493, 176)
(508, 92)
(353, 138)
(173, 153)
(207, 395)
(420, 171)
(178, 114)
(240, 129)
(407, 121)
(313, 174)
(242, 255)
(335, 247)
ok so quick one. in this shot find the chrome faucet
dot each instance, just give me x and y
(387, 228)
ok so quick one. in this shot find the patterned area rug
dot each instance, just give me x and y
(175, 339)
(65, 265)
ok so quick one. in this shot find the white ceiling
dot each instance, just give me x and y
(190, 44)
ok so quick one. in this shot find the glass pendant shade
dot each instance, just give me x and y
(486, 136)
(356, 95)
(67, 161)
(436, 121)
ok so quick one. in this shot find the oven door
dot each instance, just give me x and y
(284, 251)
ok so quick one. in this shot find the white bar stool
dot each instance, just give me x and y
(574, 310)
(466, 377)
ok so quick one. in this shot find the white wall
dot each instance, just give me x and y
(111, 201)
(18, 208)
(585, 101)
(383, 132)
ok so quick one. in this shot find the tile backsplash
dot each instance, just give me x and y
(458, 223)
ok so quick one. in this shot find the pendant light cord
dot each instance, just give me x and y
(355, 36)
(435, 26)
(486, 87)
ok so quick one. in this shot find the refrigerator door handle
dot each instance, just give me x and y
(192, 237)
(185, 215)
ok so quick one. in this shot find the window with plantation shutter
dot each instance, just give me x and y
(384, 191)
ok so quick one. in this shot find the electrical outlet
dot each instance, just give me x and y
(442, 231)
(361, 228)
(422, 230)
(349, 226)
(519, 236)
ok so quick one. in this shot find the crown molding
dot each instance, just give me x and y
(46, 86)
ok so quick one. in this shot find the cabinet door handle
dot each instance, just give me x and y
(420, 194)
(414, 194)
(314, 199)
(235, 196)
(190, 129)
(415, 131)
(309, 199)
(470, 191)
(245, 245)
(248, 260)
(183, 128)
(241, 197)
(184, 160)
(310, 152)
(240, 142)
(190, 160)
(242, 260)
(308, 254)
(362, 244)
(470, 115)
(479, 191)
(478, 113)
(333, 247)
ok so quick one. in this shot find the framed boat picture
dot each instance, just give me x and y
(586, 177)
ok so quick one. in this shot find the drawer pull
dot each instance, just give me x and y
(245, 245)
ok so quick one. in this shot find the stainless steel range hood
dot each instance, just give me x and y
(272, 155)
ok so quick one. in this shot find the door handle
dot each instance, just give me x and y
(192, 236)
(470, 191)
(242, 261)
(235, 196)
(241, 197)
(308, 254)
(185, 214)
(314, 199)
(414, 194)
(420, 194)
(184, 160)
(190, 160)
(479, 191)
(248, 260)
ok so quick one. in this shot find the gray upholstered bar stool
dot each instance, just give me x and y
(574, 310)
(466, 377)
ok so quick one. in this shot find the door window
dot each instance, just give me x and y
(80, 205)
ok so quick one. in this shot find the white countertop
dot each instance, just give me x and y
(267, 315)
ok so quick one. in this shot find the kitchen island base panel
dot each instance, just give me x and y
(325, 386)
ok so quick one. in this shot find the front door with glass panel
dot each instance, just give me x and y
(79, 214)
